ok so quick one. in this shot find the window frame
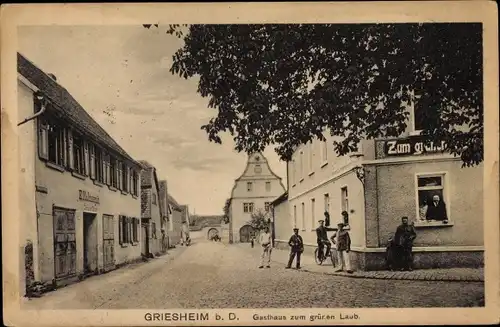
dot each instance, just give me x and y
(414, 97)
(294, 216)
(267, 206)
(249, 186)
(313, 212)
(268, 189)
(326, 202)
(324, 153)
(54, 127)
(301, 164)
(113, 171)
(311, 157)
(153, 198)
(303, 217)
(446, 197)
(344, 198)
(78, 153)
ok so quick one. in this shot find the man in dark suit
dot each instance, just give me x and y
(403, 241)
(296, 248)
(436, 210)
(322, 238)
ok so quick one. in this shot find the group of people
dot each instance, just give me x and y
(341, 239)
(399, 250)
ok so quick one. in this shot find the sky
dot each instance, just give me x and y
(120, 75)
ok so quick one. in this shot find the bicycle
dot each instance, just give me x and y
(322, 257)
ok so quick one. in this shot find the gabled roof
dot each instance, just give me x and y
(174, 204)
(147, 176)
(64, 104)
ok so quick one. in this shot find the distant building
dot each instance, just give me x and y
(79, 189)
(253, 190)
(151, 211)
(175, 221)
(384, 181)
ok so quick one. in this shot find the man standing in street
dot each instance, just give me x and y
(322, 237)
(296, 248)
(266, 243)
(403, 240)
(343, 248)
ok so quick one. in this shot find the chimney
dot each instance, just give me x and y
(52, 76)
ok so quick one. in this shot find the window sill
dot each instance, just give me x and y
(124, 192)
(356, 155)
(124, 245)
(98, 184)
(293, 185)
(134, 196)
(54, 166)
(324, 164)
(311, 173)
(424, 224)
(135, 243)
(77, 175)
(301, 180)
(112, 188)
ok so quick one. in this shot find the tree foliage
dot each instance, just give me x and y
(226, 211)
(283, 85)
(259, 219)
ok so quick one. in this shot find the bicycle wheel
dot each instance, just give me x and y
(319, 260)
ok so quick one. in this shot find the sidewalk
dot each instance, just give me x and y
(309, 265)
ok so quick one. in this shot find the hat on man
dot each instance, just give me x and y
(340, 223)
(295, 229)
(321, 220)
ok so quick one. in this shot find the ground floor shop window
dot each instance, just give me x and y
(431, 197)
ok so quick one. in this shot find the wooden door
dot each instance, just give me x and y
(64, 243)
(246, 233)
(108, 237)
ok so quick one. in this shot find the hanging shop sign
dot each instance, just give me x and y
(412, 146)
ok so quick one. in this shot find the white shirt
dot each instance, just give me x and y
(265, 238)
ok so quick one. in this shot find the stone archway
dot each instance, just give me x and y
(212, 232)
(246, 233)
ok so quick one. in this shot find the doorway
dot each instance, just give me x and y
(246, 233)
(89, 243)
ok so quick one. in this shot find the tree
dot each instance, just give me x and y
(226, 211)
(283, 85)
(259, 219)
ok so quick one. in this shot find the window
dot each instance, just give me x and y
(113, 169)
(324, 152)
(135, 181)
(311, 156)
(301, 165)
(125, 180)
(105, 169)
(327, 202)
(153, 230)
(248, 207)
(313, 208)
(52, 142)
(431, 197)
(127, 228)
(294, 216)
(266, 206)
(96, 163)
(268, 186)
(249, 186)
(303, 217)
(418, 114)
(153, 198)
(258, 169)
(344, 198)
(78, 154)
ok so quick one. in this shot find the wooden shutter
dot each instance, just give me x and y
(92, 162)
(70, 162)
(105, 168)
(43, 140)
(86, 158)
(120, 229)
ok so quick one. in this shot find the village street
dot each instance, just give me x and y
(217, 275)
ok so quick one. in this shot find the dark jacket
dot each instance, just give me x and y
(296, 243)
(321, 233)
(436, 212)
(405, 234)
(343, 241)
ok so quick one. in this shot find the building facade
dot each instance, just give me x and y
(174, 221)
(165, 210)
(80, 190)
(151, 212)
(383, 181)
(254, 190)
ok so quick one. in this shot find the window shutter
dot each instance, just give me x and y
(86, 158)
(106, 170)
(43, 140)
(92, 162)
(120, 229)
(119, 177)
(70, 162)
(131, 229)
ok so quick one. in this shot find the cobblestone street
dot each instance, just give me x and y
(216, 275)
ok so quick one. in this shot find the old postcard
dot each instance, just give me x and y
(250, 164)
